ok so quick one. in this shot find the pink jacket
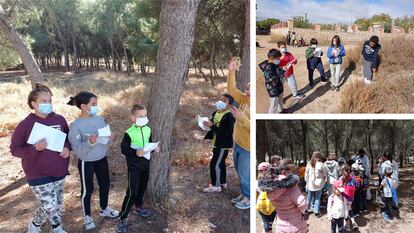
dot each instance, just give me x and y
(291, 205)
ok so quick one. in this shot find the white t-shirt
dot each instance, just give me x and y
(387, 188)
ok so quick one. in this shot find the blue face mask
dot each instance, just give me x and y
(93, 111)
(277, 62)
(220, 105)
(45, 108)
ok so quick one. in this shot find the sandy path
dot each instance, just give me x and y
(320, 99)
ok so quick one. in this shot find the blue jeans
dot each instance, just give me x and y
(316, 196)
(292, 84)
(241, 158)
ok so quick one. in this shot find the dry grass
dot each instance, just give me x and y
(276, 37)
(393, 88)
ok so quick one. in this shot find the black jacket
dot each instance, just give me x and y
(273, 76)
(133, 161)
(371, 54)
(223, 132)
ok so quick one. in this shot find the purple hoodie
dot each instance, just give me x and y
(45, 163)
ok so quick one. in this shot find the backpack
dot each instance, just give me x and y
(264, 205)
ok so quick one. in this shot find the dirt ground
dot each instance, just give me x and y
(187, 209)
(372, 221)
(319, 99)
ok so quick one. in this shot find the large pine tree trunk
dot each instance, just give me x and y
(304, 139)
(177, 20)
(243, 76)
(261, 141)
(28, 60)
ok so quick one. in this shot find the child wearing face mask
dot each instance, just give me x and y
(132, 146)
(221, 124)
(273, 76)
(337, 208)
(83, 134)
(370, 51)
(335, 53)
(313, 61)
(286, 63)
(45, 170)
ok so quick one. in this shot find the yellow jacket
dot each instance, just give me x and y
(241, 132)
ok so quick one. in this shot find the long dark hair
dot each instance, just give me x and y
(337, 39)
(82, 97)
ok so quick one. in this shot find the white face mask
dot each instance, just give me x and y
(277, 62)
(284, 50)
(313, 46)
(141, 121)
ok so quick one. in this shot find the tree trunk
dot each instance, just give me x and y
(369, 142)
(304, 139)
(28, 60)
(75, 55)
(177, 19)
(243, 76)
(261, 139)
(348, 138)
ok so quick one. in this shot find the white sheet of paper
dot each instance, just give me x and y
(318, 52)
(147, 149)
(104, 132)
(200, 121)
(102, 140)
(55, 138)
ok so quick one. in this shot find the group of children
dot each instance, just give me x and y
(46, 170)
(278, 68)
(344, 182)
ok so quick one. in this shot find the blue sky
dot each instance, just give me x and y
(332, 11)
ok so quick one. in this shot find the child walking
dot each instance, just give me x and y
(313, 61)
(221, 134)
(286, 63)
(337, 208)
(92, 155)
(370, 51)
(388, 186)
(273, 76)
(45, 170)
(335, 53)
(132, 146)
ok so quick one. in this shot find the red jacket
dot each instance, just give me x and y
(288, 57)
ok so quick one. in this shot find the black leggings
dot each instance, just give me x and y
(137, 185)
(268, 220)
(86, 171)
(218, 166)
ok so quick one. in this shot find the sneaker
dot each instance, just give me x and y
(109, 212)
(324, 80)
(297, 97)
(318, 215)
(332, 87)
(243, 204)
(347, 227)
(58, 229)
(386, 217)
(212, 189)
(224, 186)
(33, 228)
(356, 215)
(307, 211)
(89, 224)
(355, 226)
(337, 89)
(237, 199)
(143, 212)
(122, 226)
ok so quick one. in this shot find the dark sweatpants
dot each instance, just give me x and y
(137, 185)
(86, 171)
(337, 223)
(218, 166)
(312, 65)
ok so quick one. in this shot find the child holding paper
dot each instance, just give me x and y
(132, 146)
(221, 124)
(45, 170)
(83, 136)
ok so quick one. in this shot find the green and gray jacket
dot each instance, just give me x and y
(138, 137)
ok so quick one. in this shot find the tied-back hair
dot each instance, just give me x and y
(34, 93)
(82, 97)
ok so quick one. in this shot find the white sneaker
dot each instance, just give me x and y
(89, 224)
(243, 204)
(32, 228)
(212, 189)
(109, 212)
(224, 186)
(237, 199)
(58, 229)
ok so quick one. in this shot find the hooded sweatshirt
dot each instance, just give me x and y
(337, 207)
(39, 164)
(315, 176)
(291, 204)
(371, 54)
(332, 170)
(273, 76)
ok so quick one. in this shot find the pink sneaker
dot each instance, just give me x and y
(212, 189)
